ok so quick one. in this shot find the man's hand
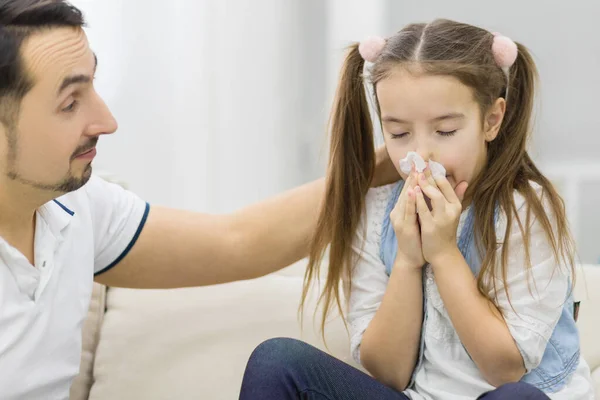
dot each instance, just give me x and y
(182, 248)
(385, 170)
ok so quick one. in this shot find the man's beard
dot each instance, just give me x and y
(69, 183)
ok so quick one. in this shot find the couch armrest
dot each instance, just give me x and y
(80, 389)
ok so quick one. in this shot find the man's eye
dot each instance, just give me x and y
(71, 107)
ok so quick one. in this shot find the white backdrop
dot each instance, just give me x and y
(220, 103)
(224, 102)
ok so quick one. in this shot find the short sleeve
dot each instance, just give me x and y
(369, 279)
(537, 296)
(118, 217)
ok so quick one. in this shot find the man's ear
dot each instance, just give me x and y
(493, 119)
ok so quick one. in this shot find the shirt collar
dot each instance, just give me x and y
(58, 215)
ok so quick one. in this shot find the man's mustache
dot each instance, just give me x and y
(85, 148)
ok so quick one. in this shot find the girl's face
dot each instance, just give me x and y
(437, 117)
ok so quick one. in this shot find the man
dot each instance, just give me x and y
(60, 227)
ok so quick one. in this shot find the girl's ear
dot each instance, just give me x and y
(493, 119)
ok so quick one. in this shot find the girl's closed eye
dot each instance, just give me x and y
(447, 133)
(398, 135)
(404, 134)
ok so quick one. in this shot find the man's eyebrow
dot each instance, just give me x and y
(73, 80)
(77, 79)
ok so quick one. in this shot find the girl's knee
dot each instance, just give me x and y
(280, 353)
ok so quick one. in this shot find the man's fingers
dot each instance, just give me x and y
(385, 170)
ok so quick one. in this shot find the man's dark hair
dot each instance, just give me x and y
(18, 20)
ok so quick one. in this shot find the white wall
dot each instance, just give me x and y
(134, 52)
(564, 38)
(222, 103)
(565, 41)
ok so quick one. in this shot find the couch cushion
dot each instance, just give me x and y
(596, 381)
(194, 343)
(586, 291)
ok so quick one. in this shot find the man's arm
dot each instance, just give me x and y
(181, 248)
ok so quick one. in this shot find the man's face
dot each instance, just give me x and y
(52, 144)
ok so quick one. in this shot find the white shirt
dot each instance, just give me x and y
(447, 371)
(42, 307)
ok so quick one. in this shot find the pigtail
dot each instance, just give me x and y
(511, 168)
(350, 172)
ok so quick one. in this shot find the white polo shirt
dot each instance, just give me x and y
(42, 307)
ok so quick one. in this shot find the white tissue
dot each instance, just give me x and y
(437, 169)
(410, 159)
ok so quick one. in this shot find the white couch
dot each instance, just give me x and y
(194, 343)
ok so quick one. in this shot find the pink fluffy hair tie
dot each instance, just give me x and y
(371, 48)
(505, 51)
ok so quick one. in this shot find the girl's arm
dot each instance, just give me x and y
(479, 324)
(508, 342)
(390, 345)
(385, 313)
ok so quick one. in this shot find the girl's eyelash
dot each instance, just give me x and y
(448, 133)
(442, 133)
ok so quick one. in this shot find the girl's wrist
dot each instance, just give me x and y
(446, 258)
(404, 264)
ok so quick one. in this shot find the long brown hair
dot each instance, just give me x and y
(463, 51)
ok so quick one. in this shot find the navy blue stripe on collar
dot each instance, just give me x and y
(61, 205)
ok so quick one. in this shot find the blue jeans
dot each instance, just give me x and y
(288, 369)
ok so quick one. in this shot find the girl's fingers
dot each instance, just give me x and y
(430, 178)
(411, 207)
(400, 207)
(448, 191)
(422, 209)
(438, 200)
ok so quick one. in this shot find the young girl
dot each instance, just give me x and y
(459, 287)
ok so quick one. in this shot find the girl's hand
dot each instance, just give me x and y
(438, 226)
(406, 226)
